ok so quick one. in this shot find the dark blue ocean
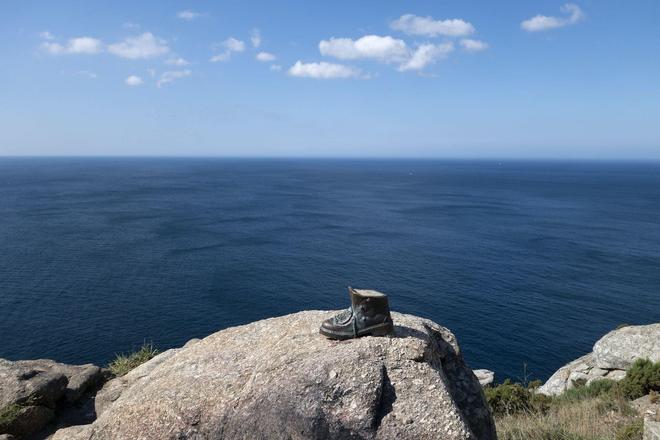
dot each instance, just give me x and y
(526, 262)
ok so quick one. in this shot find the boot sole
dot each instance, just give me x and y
(375, 330)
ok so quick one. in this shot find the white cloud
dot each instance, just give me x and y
(53, 48)
(188, 15)
(473, 45)
(427, 54)
(84, 45)
(142, 46)
(170, 76)
(177, 62)
(275, 67)
(385, 49)
(414, 25)
(133, 81)
(389, 50)
(46, 35)
(231, 45)
(573, 15)
(234, 45)
(323, 70)
(79, 45)
(131, 25)
(255, 37)
(265, 57)
(221, 57)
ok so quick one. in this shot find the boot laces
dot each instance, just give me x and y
(344, 315)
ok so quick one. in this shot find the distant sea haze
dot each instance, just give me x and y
(526, 262)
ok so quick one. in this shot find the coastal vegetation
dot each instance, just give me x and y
(9, 414)
(600, 410)
(124, 363)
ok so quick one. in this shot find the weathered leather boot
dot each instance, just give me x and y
(369, 315)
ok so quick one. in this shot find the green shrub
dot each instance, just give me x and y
(511, 398)
(597, 388)
(632, 431)
(507, 398)
(535, 384)
(642, 378)
(124, 363)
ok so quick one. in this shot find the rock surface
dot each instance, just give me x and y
(611, 356)
(648, 407)
(651, 430)
(485, 377)
(278, 378)
(32, 390)
(619, 348)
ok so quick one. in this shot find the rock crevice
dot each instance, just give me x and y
(386, 399)
(33, 393)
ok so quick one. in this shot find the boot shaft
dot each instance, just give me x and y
(370, 304)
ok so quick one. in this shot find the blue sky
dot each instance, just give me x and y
(528, 79)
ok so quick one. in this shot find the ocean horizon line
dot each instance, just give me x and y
(353, 158)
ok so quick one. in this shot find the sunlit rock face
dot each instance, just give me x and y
(279, 378)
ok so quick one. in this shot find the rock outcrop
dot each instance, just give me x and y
(620, 348)
(649, 408)
(32, 391)
(611, 356)
(485, 377)
(278, 378)
(651, 430)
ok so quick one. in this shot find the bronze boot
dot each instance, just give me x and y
(369, 315)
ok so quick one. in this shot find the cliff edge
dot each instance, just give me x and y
(612, 355)
(278, 378)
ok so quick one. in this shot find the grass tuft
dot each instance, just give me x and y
(600, 410)
(596, 388)
(124, 363)
(570, 420)
(631, 431)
